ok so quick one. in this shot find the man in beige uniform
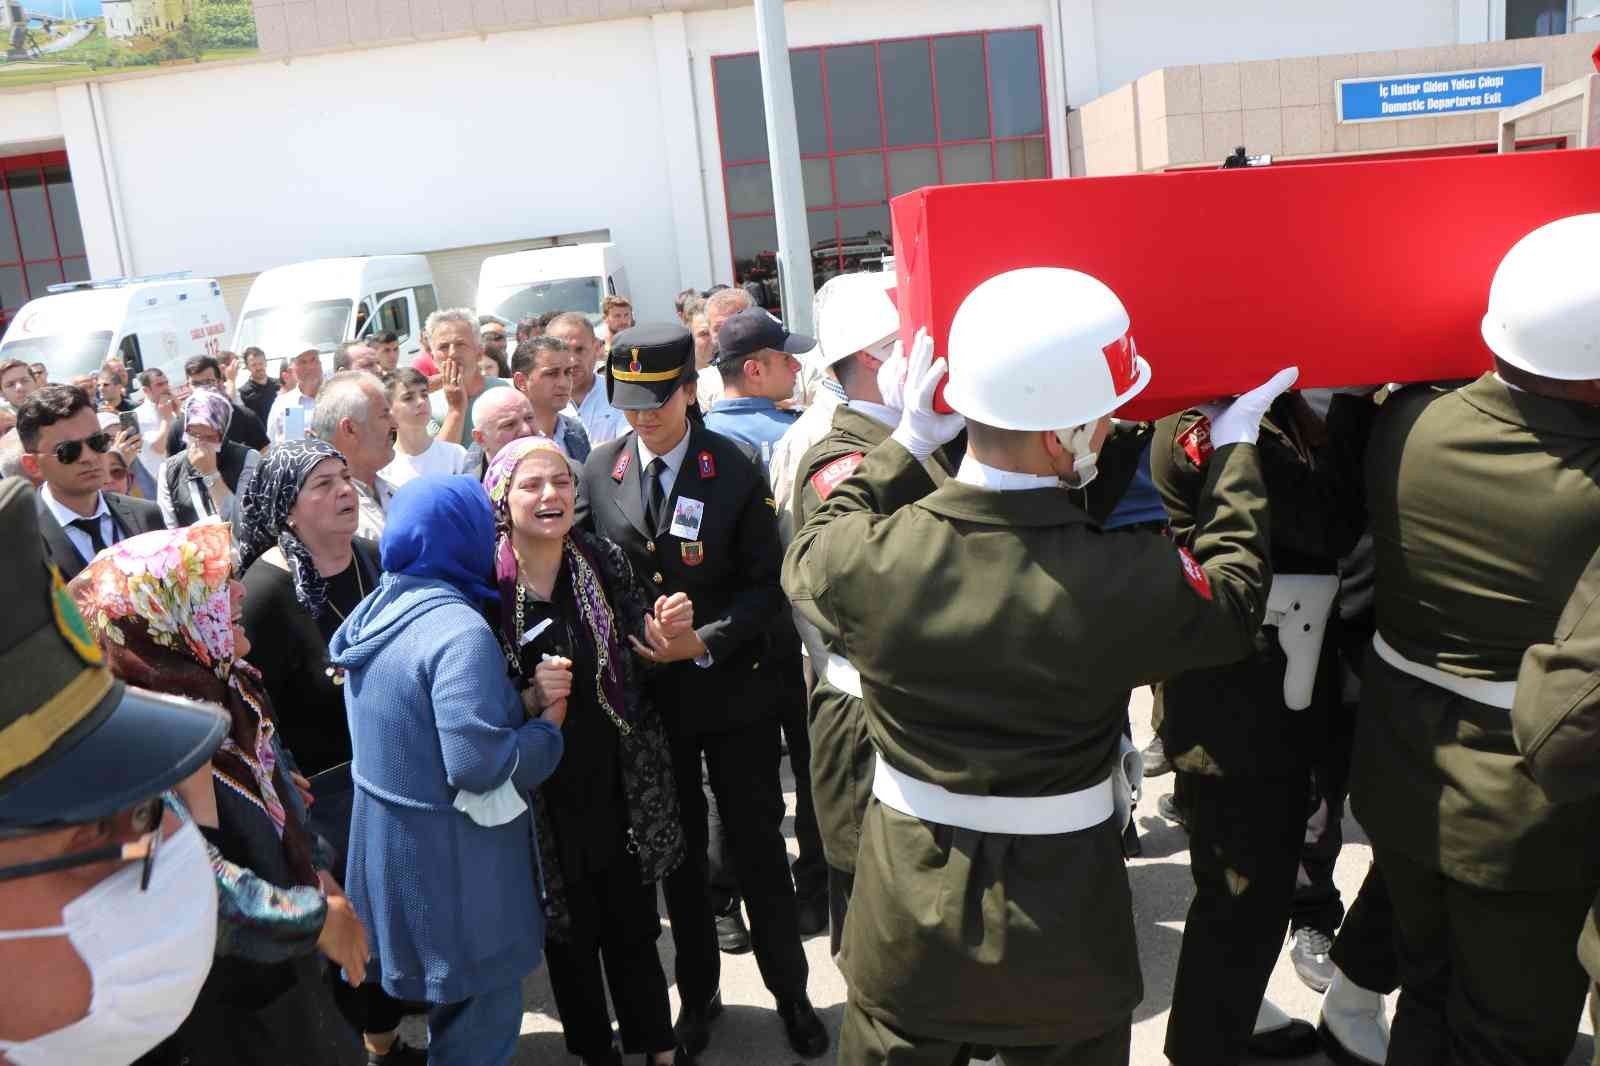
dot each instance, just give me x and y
(1485, 508)
(996, 631)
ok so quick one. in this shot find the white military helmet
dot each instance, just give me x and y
(1544, 303)
(854, 313)
(1042, 348)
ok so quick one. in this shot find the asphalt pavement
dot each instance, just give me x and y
(749, 1033)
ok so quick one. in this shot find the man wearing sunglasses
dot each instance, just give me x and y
(64, 447)
(107, 904)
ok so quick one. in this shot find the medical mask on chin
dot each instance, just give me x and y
(148, 953)
(1079, 440)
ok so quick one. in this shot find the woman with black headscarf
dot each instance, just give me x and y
(305, 572)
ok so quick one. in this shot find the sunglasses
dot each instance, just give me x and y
(69, 451)
(142, 822)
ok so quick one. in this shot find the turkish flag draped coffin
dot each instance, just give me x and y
(1356, 272)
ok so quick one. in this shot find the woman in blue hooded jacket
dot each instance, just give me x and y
(442, 855)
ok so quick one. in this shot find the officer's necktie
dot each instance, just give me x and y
(654, 496)
(91, 526)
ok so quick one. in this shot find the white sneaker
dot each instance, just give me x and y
(1355, 1023)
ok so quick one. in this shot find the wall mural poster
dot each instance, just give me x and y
(44, 41)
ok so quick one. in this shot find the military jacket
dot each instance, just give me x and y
(997, 635)
(1556, 720)
(1485, 509)
(1230, 719)
(724, 554)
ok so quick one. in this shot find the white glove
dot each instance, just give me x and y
(1239, 422)
(892, 379)
(922, 431)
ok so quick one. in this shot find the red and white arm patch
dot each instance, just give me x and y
(834, 474)
(1196, 441)
(1194, 574)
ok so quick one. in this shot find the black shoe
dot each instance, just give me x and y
(1169, 809)
(693, 1027)
(402, 1054)
(732, 936)
(1131, 848)
(812, 912)
(1294, 1041)
(1155, 759)
(613, 1057)
(806, 1034)
(680, 1057)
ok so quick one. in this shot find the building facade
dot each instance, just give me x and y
(127, 19)
(458, 128)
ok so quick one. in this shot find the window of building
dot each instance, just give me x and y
(41, 239)
(877, 119)
(1537, 18)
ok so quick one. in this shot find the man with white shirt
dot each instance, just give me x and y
(303, 397)
(157, 415)
(542, 370)
(601, 421)
(64, 447)
(500, 416)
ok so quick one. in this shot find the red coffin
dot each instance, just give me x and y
(1357, 272)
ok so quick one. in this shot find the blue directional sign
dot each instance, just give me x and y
(1426, 95)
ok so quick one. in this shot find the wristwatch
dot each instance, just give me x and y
(208, 479)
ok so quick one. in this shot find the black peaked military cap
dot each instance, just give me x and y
(75, 743)
(647, 364)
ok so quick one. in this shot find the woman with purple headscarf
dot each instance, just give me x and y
(204, 478)
(574, 622)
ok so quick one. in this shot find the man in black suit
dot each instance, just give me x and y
(65, 448)
(693, 512)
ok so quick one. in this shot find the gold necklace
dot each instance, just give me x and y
(336, 673)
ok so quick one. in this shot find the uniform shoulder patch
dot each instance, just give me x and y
(1194, 574)
(708, 466)
(1196, 441)
(834, 474)
(621, 468)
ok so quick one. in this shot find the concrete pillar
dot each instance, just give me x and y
(94, 180)
(681, 130)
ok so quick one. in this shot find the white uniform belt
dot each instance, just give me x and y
(1500, 694)
(1068, 812)
(842, 676)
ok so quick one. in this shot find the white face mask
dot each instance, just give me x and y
(1079, 441)
(148, 953)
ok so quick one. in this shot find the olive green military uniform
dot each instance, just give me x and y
(1485, 508)
(997, 635)
(1556, 720)
(1242, 756)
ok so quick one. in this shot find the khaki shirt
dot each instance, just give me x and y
(997, 635)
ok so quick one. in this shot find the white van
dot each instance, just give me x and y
(320, 303)
(153, 323)
(574, 277)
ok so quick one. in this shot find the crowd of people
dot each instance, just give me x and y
(335, 698)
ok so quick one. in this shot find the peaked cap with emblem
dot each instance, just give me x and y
(75, 743)
(647, 364)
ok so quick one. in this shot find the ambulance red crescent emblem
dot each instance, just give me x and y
(622, 465)
(1194, 574)
(1119, 359)
(708, 467)
(834, 474)
(1196, 441)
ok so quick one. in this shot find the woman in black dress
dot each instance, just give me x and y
(607, 818)
(305, 571)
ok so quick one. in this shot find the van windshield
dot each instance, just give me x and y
(64, 355)
(288, 329)
(562, 294)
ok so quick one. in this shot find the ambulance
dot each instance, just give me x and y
(151, 323)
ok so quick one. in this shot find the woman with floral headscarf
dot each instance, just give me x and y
(305, 572)
(165, 607)
(608, 816)
(204, 478)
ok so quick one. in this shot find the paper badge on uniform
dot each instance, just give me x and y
(686, 517)
(693, 551)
